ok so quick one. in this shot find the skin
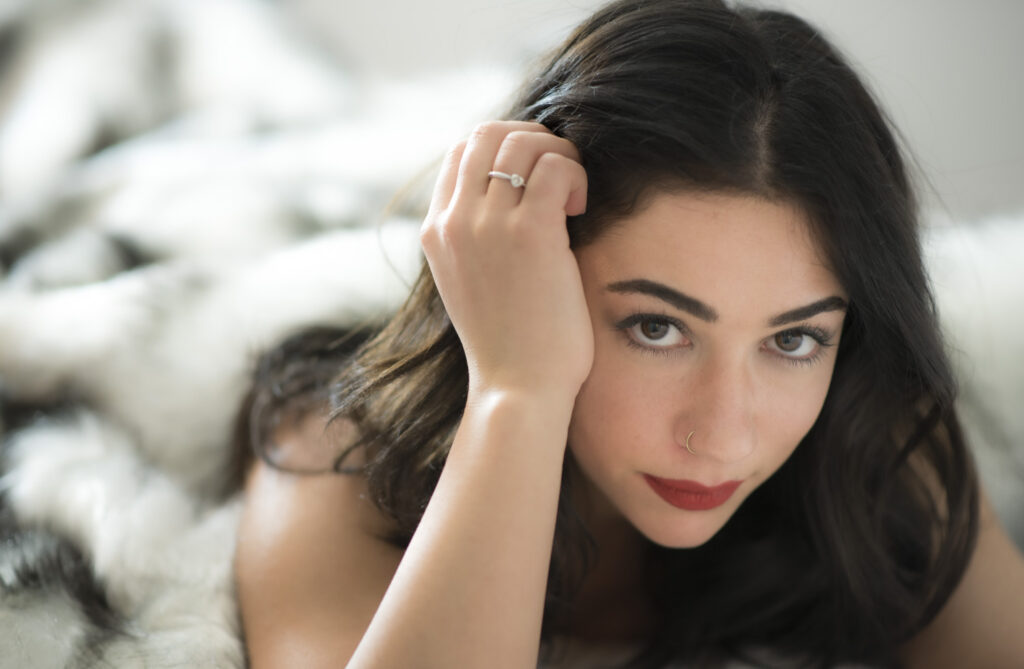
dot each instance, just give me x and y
(319, 587)
(748, 400)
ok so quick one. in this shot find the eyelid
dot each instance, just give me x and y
(626, 324)
(633, 319)
(822, 337)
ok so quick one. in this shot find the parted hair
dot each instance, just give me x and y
(861, 536)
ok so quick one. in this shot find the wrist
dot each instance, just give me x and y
(553, 404)
(523, 421)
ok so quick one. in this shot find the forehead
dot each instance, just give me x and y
(728, 250)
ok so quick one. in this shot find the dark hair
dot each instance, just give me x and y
(860, 538)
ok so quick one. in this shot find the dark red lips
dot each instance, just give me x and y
(691, 495)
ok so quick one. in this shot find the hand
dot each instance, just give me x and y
(501, 260)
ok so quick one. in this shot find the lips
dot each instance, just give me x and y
(691, 495)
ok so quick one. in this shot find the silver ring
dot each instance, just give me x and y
(514, 179)
(688, 442)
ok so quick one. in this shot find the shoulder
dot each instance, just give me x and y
(982, 624)
(311, 562)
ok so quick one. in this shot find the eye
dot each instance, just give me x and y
(801, 344)
(649, 331)
(652, 330)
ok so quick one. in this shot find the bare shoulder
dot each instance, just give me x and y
(982, 624)
(311, 566)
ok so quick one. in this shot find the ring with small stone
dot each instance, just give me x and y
(514, 179)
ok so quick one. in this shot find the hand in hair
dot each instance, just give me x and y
(500, 257)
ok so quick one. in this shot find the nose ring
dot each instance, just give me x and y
(688, 442)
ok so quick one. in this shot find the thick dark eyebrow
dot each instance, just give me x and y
(692, 305)
(678, 300)
(834, 303)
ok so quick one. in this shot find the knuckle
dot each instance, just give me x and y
(443, 223)
(484, 129)
(552, 161)
(453, 227)
(456, 151)
(439, 223)
(571, 149)
(514, 141)
(580, 171)
(428, 232)
(539, 127)
(429, 243)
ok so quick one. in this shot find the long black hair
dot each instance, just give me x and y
(861, 536)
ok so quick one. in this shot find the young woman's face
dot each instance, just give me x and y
(715, 320)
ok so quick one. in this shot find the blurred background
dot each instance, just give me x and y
(950, 73)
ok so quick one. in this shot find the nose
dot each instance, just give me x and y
(718, 418)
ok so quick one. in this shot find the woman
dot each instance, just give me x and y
(670, 390)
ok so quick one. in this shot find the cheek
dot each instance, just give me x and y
(623, 410)
(602, 412)
(605, 410)
(791, 413)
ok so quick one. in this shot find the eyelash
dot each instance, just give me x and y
(630, 321)
(823, 337)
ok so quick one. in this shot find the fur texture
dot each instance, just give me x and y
(140, 282)
(235, 202)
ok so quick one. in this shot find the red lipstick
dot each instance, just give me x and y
(691, 495)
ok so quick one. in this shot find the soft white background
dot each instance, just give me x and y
(948, 71)
(249, 171)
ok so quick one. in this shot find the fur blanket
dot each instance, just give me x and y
(166, 215)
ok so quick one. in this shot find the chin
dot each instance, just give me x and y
(683, 529)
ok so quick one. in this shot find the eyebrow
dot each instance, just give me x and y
(695, 307)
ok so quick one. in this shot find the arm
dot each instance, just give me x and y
(982, 624)
(311, 570)
(470, 588)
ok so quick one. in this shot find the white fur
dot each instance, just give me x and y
(67, 91)
(250, 170)
(125, 65)
(166, 350)
(189, 190)
(41, 632)
(165, 559)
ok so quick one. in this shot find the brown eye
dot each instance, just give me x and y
(789, 342)
(654, 330)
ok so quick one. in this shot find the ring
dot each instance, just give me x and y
(688, 442)
(514, 179)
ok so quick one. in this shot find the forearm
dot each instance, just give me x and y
(470, 589)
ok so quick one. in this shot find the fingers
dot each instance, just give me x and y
(482, 150)
(557, 182)
(465, 166)
(518, 154)
(444, 187)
